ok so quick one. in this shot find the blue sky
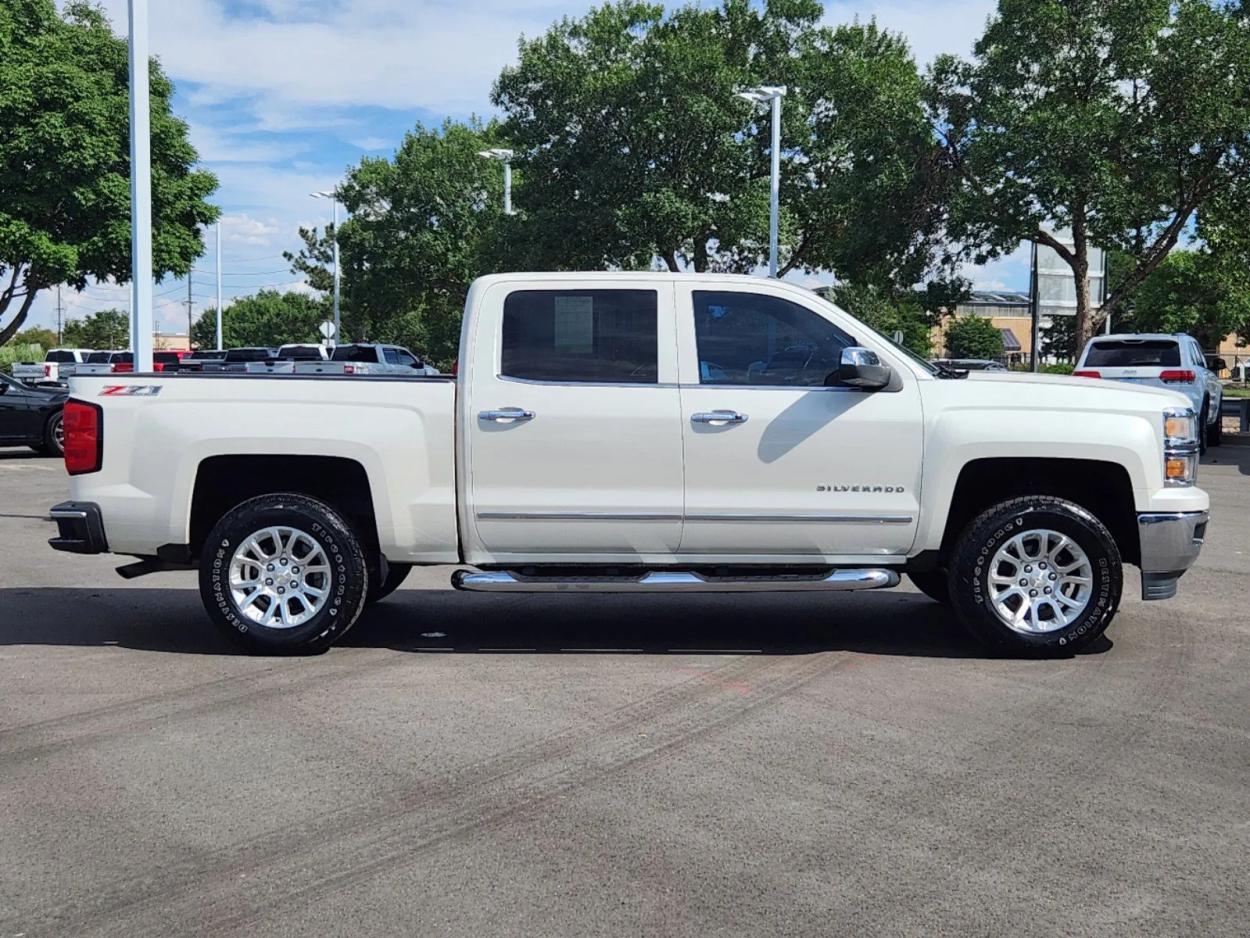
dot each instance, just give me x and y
(282, 96)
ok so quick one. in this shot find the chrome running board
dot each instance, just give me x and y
(672, 581)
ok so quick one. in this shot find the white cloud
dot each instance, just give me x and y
(931, 26)
(246, 230)
(374, 143)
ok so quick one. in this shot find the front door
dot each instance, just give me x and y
(778, 466)
(574, 424)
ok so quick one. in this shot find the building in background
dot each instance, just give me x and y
(1007, 310)
(172, 341)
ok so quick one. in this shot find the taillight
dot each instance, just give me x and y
(84, 437)
(1184, 376)
(47, 371)
(158, 366)
(122, 367)
(349, 369)
(1087, 374)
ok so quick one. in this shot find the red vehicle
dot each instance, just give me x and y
(162, 360)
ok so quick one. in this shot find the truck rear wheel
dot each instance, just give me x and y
(283, 574)
(1036, 575)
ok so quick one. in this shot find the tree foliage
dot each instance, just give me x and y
(106, 329)
(1197, 293)
(634, 145)
(64, 159)
(1119, 121)
(973, 337)
(36, 335)
(266, 318)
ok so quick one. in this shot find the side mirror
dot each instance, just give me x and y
(860, 368)
(1218, 364)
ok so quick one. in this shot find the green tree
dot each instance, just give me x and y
(1058, 339)
(1198, 293)
(36, 336)
(267, 318)
(106, 329)
(64, 159)
(423, 224)
(973, 337)
(633, 144)
(888, 311)
(1119, 121)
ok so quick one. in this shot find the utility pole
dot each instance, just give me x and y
(1034, 314)
(140, 190)
(334, 200)
(188, 309)
(218, 288)
(59, 310)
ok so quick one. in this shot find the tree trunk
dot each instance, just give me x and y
(700, 253)
(670, 258)
(12, 328)
(1080, 274)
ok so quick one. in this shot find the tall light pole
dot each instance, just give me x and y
(771, 94)
(218, 227)
(140, 191)
(505, 157)
(335, 201)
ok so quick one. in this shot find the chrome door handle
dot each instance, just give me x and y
(719, 417)
(505, 414)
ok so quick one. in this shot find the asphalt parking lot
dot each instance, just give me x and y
(539, 765)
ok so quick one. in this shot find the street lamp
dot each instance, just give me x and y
(334, 200)
(771, 94)
(505, 157)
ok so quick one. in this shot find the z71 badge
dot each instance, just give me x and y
(130, 390)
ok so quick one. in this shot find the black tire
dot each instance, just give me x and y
(379, 589)
(53, 435)
(346, 582)
(1216, 435)
(934, 584)
(1202, 426)
(970, 570)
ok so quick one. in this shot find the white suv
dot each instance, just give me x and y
(1174, 362)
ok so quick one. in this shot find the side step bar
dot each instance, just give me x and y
(675, 581)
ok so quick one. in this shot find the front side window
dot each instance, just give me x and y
(604, 336)
(752, 338)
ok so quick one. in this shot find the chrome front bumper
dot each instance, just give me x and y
(1170, 543)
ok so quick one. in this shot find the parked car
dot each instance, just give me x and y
(250, 359)
(602, 437)
(104, 363)
(970, 364)
(1157, 360)
(32, 416)
(365, 358)
(200, 359)
(300, 352)
(57, 366)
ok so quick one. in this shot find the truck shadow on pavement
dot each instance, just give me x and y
(444, 622)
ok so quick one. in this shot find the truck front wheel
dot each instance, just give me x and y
(283, 574)
(1036, 575)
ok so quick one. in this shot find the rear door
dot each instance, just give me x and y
(572, 424)
(780, 468)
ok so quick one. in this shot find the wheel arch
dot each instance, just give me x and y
(1100, 487)
(222, 482)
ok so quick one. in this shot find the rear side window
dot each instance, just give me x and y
(1148, 353)
(354, 353)
(581, 335)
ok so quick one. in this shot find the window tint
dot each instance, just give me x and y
(749, 338)
(1158, 353)
(166, 358)
(300, 353)
(127, 358)
(99, 358)
(59, 356)
(354, 353)
(406, 357)
(249, 355)
(581, 335)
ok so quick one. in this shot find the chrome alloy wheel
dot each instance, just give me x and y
(1040, 581)
(280, 577)
(58, 433)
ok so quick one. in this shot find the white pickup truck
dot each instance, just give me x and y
(642, 432)
(57, 366)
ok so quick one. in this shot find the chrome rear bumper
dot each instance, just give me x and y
(1170, 543)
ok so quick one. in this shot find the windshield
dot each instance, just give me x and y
(300, 353)
(1130, 353)
(355, 353)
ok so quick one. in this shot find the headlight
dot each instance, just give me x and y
(1180, 446)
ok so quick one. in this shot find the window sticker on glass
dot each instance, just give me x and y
(575, 323)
